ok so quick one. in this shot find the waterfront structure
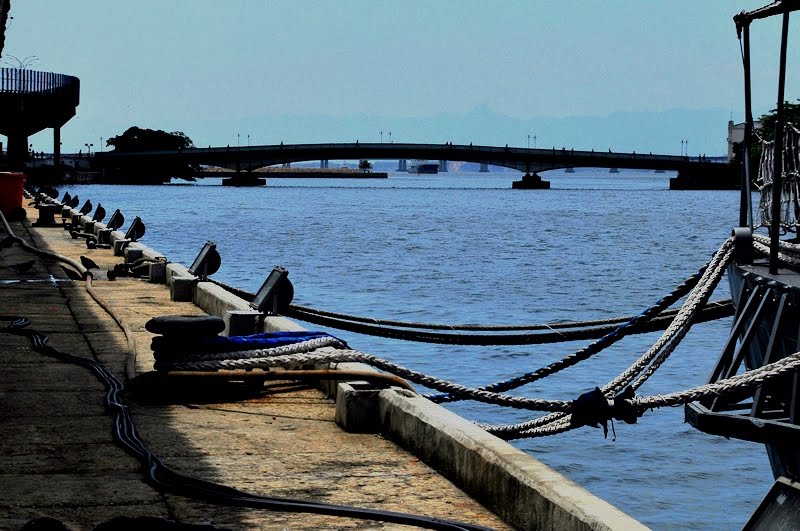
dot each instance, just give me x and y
(31, 101)
(249, 158)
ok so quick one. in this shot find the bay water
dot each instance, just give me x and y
(466, 248)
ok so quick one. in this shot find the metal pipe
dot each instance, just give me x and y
(777, 178)
(745, 210)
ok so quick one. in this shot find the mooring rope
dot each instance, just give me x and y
(655, 318)
(789, 253)
(594, 348)
(309, 311)
(238, 355)
(559, 418)
(655, 356)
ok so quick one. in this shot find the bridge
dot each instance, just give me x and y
(530, 161)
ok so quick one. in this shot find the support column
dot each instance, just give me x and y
(17, 150)
(323, 164)
(57, 150)
(484, 168)
(402, 165)
(442, 166)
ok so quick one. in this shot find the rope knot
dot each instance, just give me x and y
(594, 409)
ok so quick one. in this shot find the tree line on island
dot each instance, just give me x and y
(141, 139)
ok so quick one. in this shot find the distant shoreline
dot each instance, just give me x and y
(301, 173)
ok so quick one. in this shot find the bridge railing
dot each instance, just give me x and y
(24, 81)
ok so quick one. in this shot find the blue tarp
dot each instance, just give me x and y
(162, 345)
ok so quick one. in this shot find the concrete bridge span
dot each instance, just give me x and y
(530, 161)
(522, 159)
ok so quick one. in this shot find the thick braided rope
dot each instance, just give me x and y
(593, 348)
(741, 382)
(785, 258)
(559, 422)
(293, 348)
(735, 384)
(762, 245)
(328, 355)
(679, 327)
(432, 326)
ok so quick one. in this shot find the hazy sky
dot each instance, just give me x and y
(169, 63)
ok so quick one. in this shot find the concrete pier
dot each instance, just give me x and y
(58, 458)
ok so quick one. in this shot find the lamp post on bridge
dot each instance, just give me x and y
(381, 137)
(529, 141)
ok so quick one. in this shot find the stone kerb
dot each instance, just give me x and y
(517, 487)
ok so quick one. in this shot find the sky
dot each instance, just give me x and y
(492, 72)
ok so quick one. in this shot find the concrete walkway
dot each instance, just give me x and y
(58, 458)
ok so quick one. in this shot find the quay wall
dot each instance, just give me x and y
(517, 487)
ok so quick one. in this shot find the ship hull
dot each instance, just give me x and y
(776, 334)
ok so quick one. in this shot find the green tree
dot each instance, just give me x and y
(364, 165)
(791, 114)
(138, 139)
(144, 170)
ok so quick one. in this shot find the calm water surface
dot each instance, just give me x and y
(467, 248)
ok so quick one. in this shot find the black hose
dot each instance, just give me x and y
(164, 478)
(655, 318)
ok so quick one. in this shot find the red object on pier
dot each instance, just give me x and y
(11, 185)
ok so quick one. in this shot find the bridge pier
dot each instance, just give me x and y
(710, 177)
(442, 166)
(402, 165)
(323, 164)
(17, 150)
(531, 182)
(484, 167)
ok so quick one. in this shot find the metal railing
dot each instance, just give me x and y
(24, 81)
